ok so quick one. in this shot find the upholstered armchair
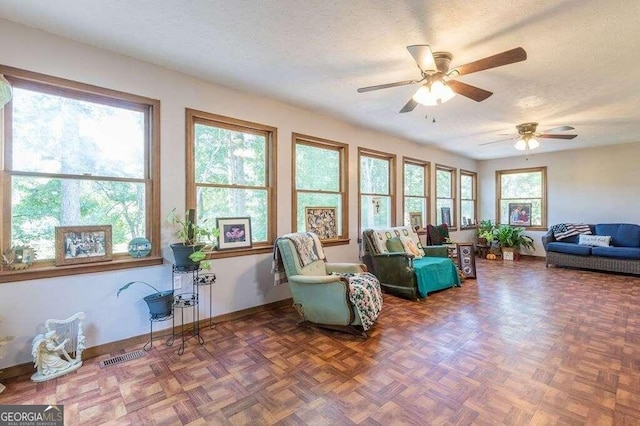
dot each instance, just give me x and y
(404, 273)
(323, 293)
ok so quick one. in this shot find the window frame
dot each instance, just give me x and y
(85, 92)
(392, 159)
(343, 151)
(543, 198)
(194, 117)
(454, 199)
(474, 197)
(426, 167)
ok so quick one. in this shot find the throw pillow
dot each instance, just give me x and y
(395, 245)
(411, 247)
(595, 240)
(566, 230)
(437, 234)
(379, 239)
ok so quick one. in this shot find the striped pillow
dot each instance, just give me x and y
(566, 230)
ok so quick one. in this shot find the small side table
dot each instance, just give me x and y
(483, 250)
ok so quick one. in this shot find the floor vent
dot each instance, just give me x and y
(118, 359)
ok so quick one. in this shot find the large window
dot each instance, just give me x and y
(416, 189)
(319, 180)
(522, 187)
(377, 195)
(468, 201)
(77, 155)
(446, 196)
(230, 173)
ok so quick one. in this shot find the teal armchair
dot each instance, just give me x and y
(322, 299)
(401, 273)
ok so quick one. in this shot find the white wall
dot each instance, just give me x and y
(591, 185)
(243, 282)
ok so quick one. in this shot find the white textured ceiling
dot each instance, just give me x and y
(582, 68)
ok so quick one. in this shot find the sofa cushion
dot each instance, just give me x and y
(595, 240)
(617, 252)
(622, 234)
(378, 237)
(569, 248)
(411, 247)
(395, 245)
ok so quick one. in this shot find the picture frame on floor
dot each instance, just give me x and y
(467, 259)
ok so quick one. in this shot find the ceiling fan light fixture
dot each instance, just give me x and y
(521, 144)
(434, 93)
(533, 143)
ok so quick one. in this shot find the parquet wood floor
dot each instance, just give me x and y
(520, 345)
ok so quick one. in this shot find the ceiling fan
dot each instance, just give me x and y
(436, 81)
(527, 137)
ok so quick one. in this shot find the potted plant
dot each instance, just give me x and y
(511, 240)
(486, 231)
(194, 238)
(160, 303)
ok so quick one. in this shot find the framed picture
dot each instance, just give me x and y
(415, 219)
(235, 232)
(322, 221)
(466, 259)
(82, 244)
(445, 213)
(18, 257)
(520, 214)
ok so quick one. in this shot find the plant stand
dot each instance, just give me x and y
(185, 302)
(149, 345)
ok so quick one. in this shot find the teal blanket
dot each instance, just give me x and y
(435, 273)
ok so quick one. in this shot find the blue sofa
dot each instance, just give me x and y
(622, 255)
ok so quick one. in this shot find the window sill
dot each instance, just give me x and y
(39, 272)
(338, 242)
(221, 254)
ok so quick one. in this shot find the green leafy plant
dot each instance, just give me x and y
(511, 236)
(198, 235)
(486, 230)
(129, 284)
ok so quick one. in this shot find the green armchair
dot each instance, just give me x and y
(403, 274)
(322, 292)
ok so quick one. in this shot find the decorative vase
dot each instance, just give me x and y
(160, 304)
(181, 253)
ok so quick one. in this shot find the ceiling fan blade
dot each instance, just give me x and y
(505, 58)
(423, 56)
(559, 129)
(545, 136)
(386, 86)
(409, 106)
(471, 92)
(501, 140)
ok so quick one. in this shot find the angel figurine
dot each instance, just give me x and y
(51, 353)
